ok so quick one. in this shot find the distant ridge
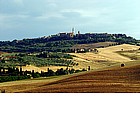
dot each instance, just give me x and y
(63, 41)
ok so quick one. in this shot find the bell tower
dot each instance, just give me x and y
(73, 30)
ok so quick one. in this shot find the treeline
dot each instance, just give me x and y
(57, 43)
(54, 55)
(57, 73)
(14, 74)
(13, 78)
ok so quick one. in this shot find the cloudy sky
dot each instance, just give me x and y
(35, 18)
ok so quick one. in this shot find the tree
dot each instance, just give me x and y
(36, 75)
(50, 73)
(71, 71)
(61, 72)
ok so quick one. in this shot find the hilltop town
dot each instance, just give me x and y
(63, 54)
(62, 42)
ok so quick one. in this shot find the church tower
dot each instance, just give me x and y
(73, 31)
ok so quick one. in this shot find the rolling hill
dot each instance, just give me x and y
(105, 76)
(105, 57)
(112, 80)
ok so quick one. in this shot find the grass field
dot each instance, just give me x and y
(105, 57)
(131, 54)
(39, 69)
(111, 79)
(114, 79)
(106, 74)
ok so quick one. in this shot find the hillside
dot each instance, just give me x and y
(74, 62)
(105, 57)
(63, 54)
(63, 42)
(94, 45)
(115, 79)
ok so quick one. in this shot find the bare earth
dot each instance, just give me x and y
(106, 75)
(115, 79)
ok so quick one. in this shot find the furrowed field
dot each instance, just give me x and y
(105, 75)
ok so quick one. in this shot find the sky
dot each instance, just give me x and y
(36, 18)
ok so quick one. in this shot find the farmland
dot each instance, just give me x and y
(105, 73)
(114, 79)
(94, 45)
(105, 57)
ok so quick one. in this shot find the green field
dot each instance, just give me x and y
(132, 54)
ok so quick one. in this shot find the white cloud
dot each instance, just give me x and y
(59, 15)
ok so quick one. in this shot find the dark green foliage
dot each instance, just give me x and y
(62, 71)
(12, 78)
(2, 61)
(50, 73)
(36, 75)
(84, 70)
(62, 44)
(37, 59)
(71, 71)
(54, 55)
(77, 71)
(14, 74)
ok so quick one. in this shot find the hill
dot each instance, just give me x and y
(115, 79)
(63, 42)
(80, 52)
(112, 80)
(105, 57)
(94, 45)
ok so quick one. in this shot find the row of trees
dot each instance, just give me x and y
(13, 78)
(57, 73)
(13, 74)
(57, 43)
(11, 71)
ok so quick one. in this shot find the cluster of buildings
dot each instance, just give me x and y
(83, 50)
(86, 35)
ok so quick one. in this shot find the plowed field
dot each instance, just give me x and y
(116, 80)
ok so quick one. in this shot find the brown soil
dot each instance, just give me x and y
(102, 79)
(112, 80)
(93, 45)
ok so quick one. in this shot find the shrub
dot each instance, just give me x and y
(12, 78)
(36, 75)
